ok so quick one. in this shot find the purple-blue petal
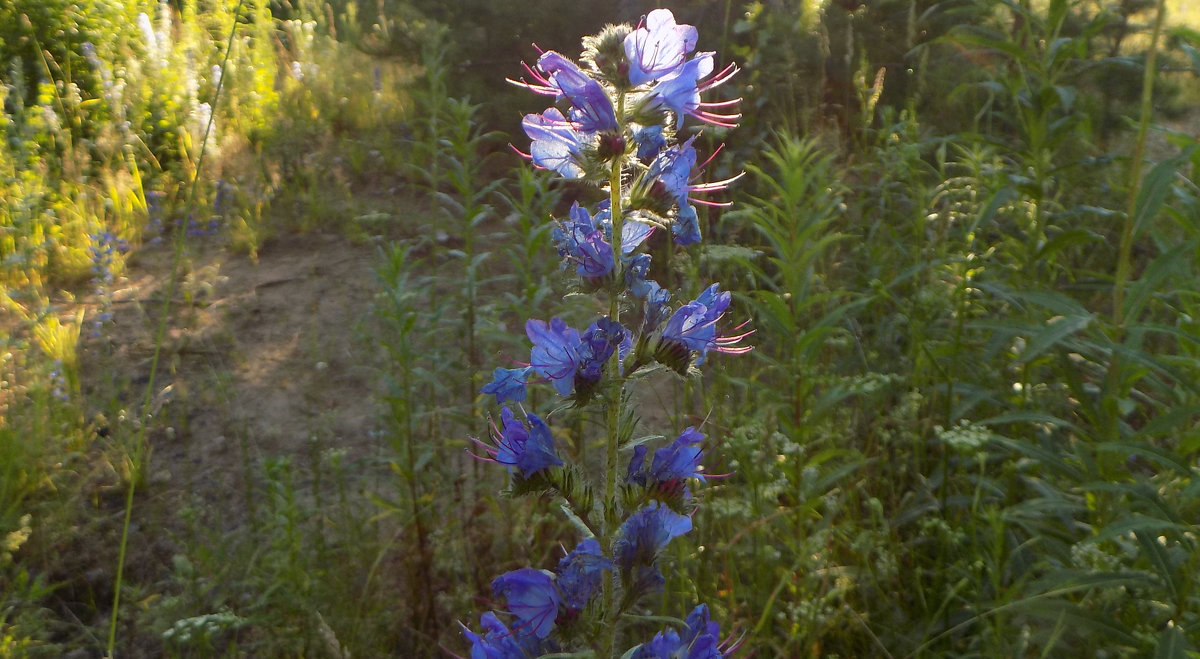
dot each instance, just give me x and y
(507, 384)
(581, 572)
(538, 453)
(532, 598)
(680, 459)
(657, 49)
(634, 233)
(650, 141)
(555, 142)
(686, 227)
(681, 93)
(673, 168)
(592, 109)
(555, 352)
(646, 533)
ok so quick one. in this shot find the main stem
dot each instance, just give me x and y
(1125, 251)
(616, 395)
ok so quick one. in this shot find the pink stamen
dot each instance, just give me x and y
(722, 77)
(720, 147)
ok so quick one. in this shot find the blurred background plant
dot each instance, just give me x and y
(967, 240)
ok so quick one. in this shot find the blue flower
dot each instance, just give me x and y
(633, 234)
(597, 345)
(499, 642)
(667, 183)
(556, 142)
(649, 139)
(581, 240)
(680, 460)
(580, 574)
(591, 108)
(532, 597)
(693, 327)
(681, 93)
(686, 227)
(530, 449)
(646, 533)
(587, 240)
(655, 309)
(700, 640)
(508, 384)
(635, 275)
(673, 169)
(555, 353)
(658, 48)
(672, 465)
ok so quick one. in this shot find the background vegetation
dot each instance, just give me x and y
(967, 242)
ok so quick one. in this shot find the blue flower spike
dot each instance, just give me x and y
(615, 126)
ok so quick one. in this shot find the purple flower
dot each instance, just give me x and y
(587, 240)
(681, 93)
(591, 109)
(700, 640)
(581, 239)
(499, 642)
(530, 449)
(658, 48)
(580, 574)
(672, 465)
(649, 139)
(655, 309)
(673, 169)
(633, 234)
(555, 353)
(556, 142)
(646, 533)
(686, 227)
(597, 345)
(668, 181)
(693, 326)
(532, 597)
(508, 384)
(635, 275)
(680, 460)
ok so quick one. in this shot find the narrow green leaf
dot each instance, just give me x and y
(1157, 555)
(1082, 619)
(1172, 644)
(1054, 332)
(1154, 188)
(1136, 523)
(1150, 452)
(1152, 282)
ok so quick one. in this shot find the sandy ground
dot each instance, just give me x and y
(260, 359)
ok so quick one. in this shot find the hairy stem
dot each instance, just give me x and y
(613, 407)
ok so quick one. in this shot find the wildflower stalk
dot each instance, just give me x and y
(616, 396)
(649, 175)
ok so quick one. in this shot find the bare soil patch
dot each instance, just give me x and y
(260, 359)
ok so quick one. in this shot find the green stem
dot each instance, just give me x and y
(1135, 171)
(616, 395)
(1124, 255)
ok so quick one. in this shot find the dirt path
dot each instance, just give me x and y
(261, 359)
